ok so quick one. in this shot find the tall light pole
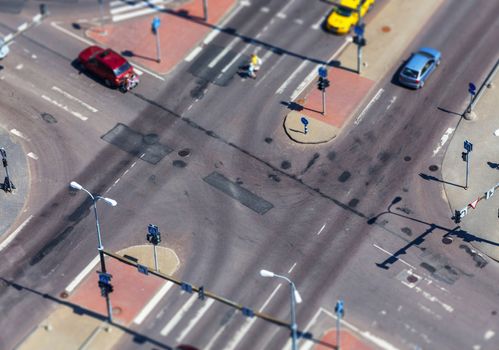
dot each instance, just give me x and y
(107, 288)
(295, 298)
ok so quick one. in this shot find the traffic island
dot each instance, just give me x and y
(312, 121)
(80, 321)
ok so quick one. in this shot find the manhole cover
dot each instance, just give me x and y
(447, 240)
(412, 279)
(407, 158)
(64, 295)
(433, 167)
(117, 310)
(184, 153)
(386, 29)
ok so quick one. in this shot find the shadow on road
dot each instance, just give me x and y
(433, 178)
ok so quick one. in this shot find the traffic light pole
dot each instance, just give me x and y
(155, 257)
(467, 168)
(359, 54)
(323, 101)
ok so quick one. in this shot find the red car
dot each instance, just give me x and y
(106, 64)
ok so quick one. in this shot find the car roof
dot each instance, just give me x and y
(417, 61)
(111, 58)
(350, 3)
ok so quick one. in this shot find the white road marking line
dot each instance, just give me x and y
(60, 105)
(13, 235)
(32, 155)
(132, 7)
(291, 77)
(322, 228)
(193, 54)
(317, 24)
(392, 100)
(71, 97)
(212, 35)
(18, 134)
(146, 11)
(65, 31)
(268, 71)
(298, 21)
(245, 3)
(178, 316)
(82, 275)
(281, 15)
(430, 311)
(366, 334)
(443, 140)
(8, 37)
(222, 53)
(22, 27)
(152, 303)
(308, 344)
(313, 74)
(292, 268)
(19, 66)
(265, 9)
(434, 299)
(489, 334)
(374, 99)
(387, 252)
(248, 323)
(196, 318)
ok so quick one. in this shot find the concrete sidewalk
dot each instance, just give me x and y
(388, 35)
(80, 321)
(480, 225)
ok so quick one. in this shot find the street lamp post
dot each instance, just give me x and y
(295, 298)
(100, 248)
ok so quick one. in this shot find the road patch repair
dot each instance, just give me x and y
(81, 319)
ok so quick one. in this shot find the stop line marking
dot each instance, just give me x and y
(64, 107)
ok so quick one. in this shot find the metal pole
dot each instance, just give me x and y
(293, 316)
(109, 308)
(337, 332)
(101, 12)
(467, 169)
(158, 54)
(324, 101)
(359, 54)
(205, 9)
(155, 258)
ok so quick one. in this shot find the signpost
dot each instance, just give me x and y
(154, 236)
(340, 312)
(106, 287)
(8, 186)
(360, 41)
(472, 91)
(154, 27)
(322, 84)
(305, 123)
(468, 146)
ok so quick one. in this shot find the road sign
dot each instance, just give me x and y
(472, 89)
(359, 30)
(155, 24)
(339, 309)
(468, 146)
(142, 269)
(104, 277)
(153, 229)
(304, 121)
(322, 72)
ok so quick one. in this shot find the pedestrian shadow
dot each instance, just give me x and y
(416, 242)
(433, 178)
(77, 309)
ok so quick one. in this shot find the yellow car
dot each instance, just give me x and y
(346, 15)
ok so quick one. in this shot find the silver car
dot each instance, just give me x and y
(419, 67)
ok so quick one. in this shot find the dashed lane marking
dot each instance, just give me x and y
(363, 113)
(82, 275)
(178, 316)
(32, 155)
(387, 252)
(65, 108)
(71, 97)
(443, 140)
(195, 320)
(193, 54)
(18, 134)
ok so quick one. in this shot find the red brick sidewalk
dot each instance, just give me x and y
(347, 341)
(180, 31)
(343, 96)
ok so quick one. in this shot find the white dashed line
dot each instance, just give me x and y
(265, 9)
(443, 140)
(71, 97)
(193, 54)
(195, 320)
(152, 303)
(18, 134)
(32, 155)
(66, 108)
(291, 77)
(82, 275)
(178, 316)
(281, 15)
(292, 268)
(322, 228)
(298, 21)
(19, 66)
(374, 99)
(387, 252)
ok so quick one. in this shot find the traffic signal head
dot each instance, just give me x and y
(457, 216)
(320, 83)
(43, 9)
(464, 155)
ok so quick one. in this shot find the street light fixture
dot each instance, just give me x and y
(107, 288)
(295, 298)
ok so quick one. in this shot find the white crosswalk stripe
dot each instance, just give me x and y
(121, 10)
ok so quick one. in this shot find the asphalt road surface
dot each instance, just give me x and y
(324, 215)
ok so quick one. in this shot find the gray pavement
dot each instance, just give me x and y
(479, 225)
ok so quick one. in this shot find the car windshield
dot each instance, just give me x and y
(410, 72)
(123, 68)
(344, 11)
